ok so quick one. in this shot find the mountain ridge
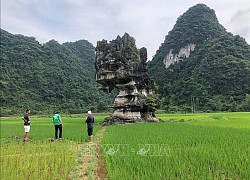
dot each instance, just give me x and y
(198, 63)
(48, 77)
(180, 78)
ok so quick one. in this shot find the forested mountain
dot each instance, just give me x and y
(48, 77)
(201, 64)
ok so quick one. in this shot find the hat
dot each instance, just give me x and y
(89, 112)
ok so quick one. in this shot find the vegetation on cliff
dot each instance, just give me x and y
(215, 77)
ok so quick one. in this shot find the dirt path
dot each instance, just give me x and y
(101, 172)
(90, 162)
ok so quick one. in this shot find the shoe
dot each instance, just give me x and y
(28, 140)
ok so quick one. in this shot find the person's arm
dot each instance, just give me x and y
(23, 118)
(60, 119)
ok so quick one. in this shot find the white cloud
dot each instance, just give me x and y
(239, 23)
(146, 20)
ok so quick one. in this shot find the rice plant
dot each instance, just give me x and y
(202, 148)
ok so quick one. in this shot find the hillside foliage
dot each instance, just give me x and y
(61, 77)
(48, 77)
(215, 77)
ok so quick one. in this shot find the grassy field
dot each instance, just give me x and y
(184, 146)
(41, 159)
(74, 128)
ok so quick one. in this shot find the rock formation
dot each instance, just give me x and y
(184, 53)
(120, 65)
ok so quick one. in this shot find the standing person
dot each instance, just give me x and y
(57, 121)
(26, 120)
(90, 120)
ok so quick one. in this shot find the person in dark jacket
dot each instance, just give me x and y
(26, 120)
(90, 121)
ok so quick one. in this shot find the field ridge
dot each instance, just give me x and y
(90, 162)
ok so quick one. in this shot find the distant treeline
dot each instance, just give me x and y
(49, 77)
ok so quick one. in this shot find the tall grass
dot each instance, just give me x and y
(179, 150)
(41, 159)
(37, 160)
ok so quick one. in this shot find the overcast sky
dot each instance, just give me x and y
(148, 21)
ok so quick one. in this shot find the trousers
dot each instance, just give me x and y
(58, 127)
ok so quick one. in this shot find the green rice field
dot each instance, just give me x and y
(41, 159)
(182, 146)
